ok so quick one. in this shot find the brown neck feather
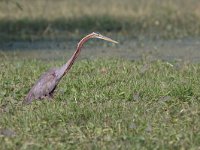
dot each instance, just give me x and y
(70, 62)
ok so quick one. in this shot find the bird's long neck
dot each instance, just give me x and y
(66, 67)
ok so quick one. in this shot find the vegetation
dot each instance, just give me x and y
(49, 19)
(103, 103)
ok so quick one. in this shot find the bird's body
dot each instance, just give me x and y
(44, 87)
(47, 83)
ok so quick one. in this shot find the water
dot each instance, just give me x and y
(187, 49)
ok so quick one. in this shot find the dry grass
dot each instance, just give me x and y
(20, 19)
(49, 9)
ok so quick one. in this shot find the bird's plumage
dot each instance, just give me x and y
(44, 87)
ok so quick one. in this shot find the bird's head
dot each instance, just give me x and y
(99, 36)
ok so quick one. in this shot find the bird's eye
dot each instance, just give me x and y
(98, 33)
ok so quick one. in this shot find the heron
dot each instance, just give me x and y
(45, 86)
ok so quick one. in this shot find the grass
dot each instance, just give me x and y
(25, 20)
(105, 103)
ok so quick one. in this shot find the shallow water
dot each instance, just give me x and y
(187, 49)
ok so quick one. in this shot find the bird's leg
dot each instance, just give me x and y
(51, 95)
(52, 92)
(48, 97)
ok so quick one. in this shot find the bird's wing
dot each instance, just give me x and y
(45, 84)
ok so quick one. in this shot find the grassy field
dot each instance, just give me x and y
(105, 103)
(22, 19)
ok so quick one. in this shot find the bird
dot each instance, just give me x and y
(45, 86)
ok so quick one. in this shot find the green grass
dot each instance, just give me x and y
(102, 104)
(166, 27)
(30, 20)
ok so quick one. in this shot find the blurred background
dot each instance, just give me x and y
(164, 29)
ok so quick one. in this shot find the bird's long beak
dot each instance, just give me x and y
(106, 38)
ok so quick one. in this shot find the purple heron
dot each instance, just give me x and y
(47, 83)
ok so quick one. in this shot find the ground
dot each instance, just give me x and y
(105, 103)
